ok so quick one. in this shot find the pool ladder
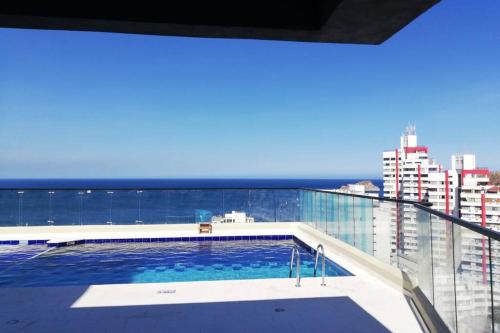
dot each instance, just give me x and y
(322, 263)
(295, 250)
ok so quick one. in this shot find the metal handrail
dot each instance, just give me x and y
(320, 246)
(295, 249)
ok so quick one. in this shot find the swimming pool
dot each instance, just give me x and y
(112, 263)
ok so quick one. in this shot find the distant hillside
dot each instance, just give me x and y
(495, 178)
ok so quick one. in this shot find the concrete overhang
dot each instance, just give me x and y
(329, 21)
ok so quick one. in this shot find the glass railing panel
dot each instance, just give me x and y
(363, 224)
(443, 269)
(346, 219)
(149, 206)
(121, 206)
(314, 209)
(97, 206)
(11, 208)
(238, 200)
(384, 230)
(494, 278)
(422, 275)
(332, 214)
(191, 206)
(307, 208)
(287, 205)
(53, 207)
(321, 224)
(472, 280)
(302, 205)
(261, 205)
(407, 232)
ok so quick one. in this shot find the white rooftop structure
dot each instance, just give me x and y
(233, 217)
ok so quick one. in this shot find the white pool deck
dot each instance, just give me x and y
(370, 301)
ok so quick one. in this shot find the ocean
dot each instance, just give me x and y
(41, 202)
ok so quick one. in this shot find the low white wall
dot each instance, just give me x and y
(143, 231)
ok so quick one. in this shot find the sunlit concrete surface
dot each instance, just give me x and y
(373, 300)
(64, 233)
(346, 304)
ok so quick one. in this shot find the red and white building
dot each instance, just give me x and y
(410, 174)
(463, 191)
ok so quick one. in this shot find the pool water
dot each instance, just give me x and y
(111, 263)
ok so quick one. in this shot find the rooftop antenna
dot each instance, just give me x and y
(411, 129)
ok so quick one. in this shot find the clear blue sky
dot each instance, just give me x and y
(80, 104)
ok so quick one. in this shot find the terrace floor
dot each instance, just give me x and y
(360, 303)
(346, 304)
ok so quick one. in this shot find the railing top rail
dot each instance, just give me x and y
(144, 188)
(363, 196)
